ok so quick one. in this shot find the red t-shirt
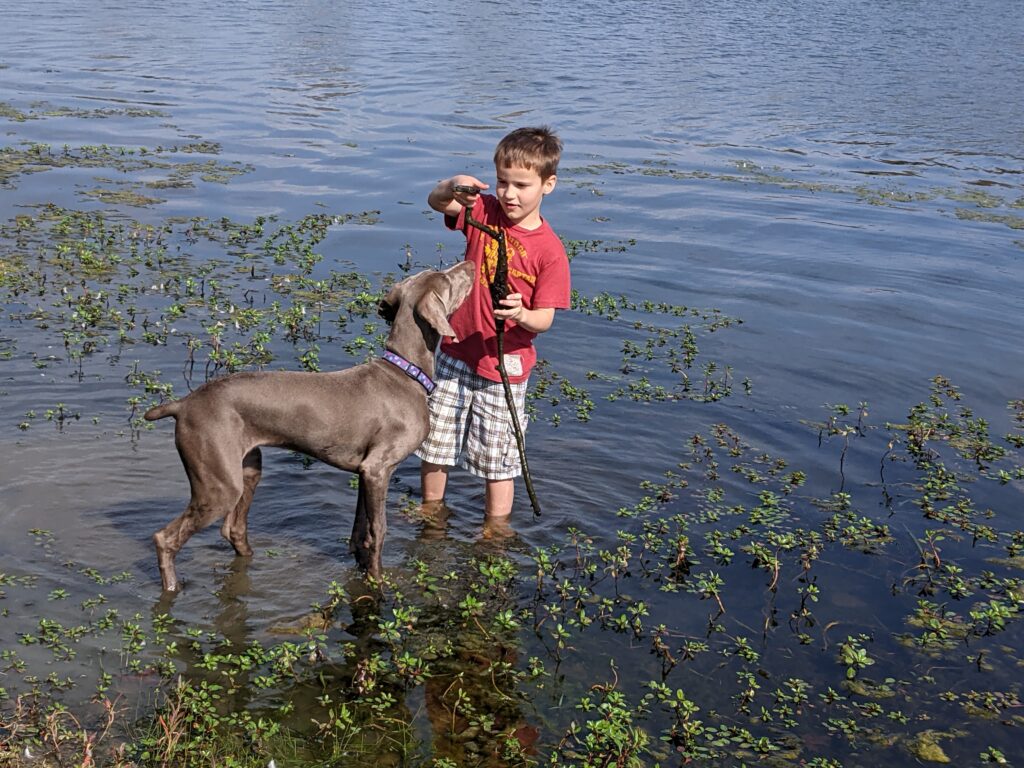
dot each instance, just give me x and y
(537, 268)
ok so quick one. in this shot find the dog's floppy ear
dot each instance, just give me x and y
(432, 309)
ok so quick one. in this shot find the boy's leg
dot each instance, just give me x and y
(498, 497)
(491, 450)
(449, 412)
(433, 479)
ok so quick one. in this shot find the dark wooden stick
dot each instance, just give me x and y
(499, 290)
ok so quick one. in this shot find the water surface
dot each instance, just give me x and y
(846, 180)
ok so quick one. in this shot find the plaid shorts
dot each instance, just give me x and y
(469, 412)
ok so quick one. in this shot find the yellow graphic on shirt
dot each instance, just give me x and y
(514, 250)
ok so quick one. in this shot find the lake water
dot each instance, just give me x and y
(846, 180)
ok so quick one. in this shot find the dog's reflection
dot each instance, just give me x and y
(406, 651)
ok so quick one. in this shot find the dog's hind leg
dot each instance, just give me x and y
(236, 525)
(217, 488)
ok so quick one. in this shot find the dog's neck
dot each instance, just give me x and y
(416, 342)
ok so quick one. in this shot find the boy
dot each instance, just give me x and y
(468, 408)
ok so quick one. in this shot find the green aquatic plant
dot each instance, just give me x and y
(36, 158)
(853, 656)
(925, 746)
(886, 192)
(607, 734)
(1007, 219)
(463, 658)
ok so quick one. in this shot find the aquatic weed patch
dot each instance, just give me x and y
(738, 609)
(659, 358)
(220, 294)
(722, 608)
(744, 610)
(196, 298)
(29, 158)
(43, 110)
(660, 339)
(985, 206)
(1013, 221)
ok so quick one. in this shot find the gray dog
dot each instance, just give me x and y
(365, 419)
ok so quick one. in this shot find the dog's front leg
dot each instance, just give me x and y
(360, 527)
(371, 523)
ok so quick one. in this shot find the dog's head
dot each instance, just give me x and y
(432, 296)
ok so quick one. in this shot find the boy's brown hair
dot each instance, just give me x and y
(538, 149)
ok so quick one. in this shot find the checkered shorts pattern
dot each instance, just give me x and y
(469, 412)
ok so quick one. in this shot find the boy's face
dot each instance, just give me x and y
(520, 192)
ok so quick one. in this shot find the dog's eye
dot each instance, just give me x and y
(386, 311)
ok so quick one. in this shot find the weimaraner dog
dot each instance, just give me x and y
(365, 419)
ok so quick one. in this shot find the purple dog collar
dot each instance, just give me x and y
(412, 371)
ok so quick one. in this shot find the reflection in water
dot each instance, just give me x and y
(233, 593)
(418, 667)
(231, 635)
(433, 519)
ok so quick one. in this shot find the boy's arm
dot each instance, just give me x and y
(551, 292)
(444, 199)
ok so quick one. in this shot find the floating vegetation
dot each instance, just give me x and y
(659, 359)
(977, 197)
(739, 610)
(485, 641)
(37, 158)
(1010, 220)
(105, 285)
(230, 296)
(122, 196)
(42, 111)
(925, 746)
(574, 248)
(985, 203)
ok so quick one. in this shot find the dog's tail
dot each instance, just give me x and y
(160, 411)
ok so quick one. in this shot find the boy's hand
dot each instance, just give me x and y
(452, 195)
(466, 189)
(533, 320)
(512, 307)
